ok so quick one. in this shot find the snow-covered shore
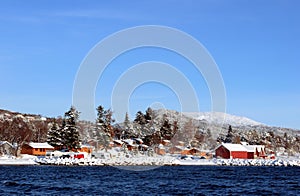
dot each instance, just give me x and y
(116, 161)
(258, 162)
(23, 160)
(166, 160)
(145, 161)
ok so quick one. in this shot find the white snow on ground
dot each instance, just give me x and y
(167, 160)
(195, 162)
(11, 160)
(142, 160)
(257, 162)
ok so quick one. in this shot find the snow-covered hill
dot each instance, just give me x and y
(222, 118)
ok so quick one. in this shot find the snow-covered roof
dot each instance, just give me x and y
(139, 140)
(86, 146)
(128, 141)
(234, 147)
(160, 146)
(244, 143)
(118, 141)
(144, 146)
(179, 147)
(40, 145)
(253, 148)
(250, 148)
(5, 142)
(240, 147)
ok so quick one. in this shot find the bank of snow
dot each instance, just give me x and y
(165, 161)
(23, 160)
(145, 161)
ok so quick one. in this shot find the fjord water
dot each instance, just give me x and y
(168, 180)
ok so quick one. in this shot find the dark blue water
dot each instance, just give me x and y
(178, 180)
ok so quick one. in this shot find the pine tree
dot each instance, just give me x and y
(149, 115)
(54, 135)
(175, 132)
(229, 136)
(140, 118)
(70, 131)
(104, 129)
(165, 129)
(127, 127)
(126, 120)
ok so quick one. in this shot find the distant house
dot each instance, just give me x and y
(176, 149)
(37, 149)
(138, 140)
(6, 148)
(160, 149)
(190, 151)
(118, 143)
(166, 142)
(86, 148)
(143, 147)
(232, 151)
(180, 143)
(130, 144)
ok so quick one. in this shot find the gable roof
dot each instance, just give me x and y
(118, 141)
(5, 142)
(234, 147)
(240, 147)
(40, 145)
(244, 143)
(128, 141)
(250, 148)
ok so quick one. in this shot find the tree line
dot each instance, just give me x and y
(66, 135)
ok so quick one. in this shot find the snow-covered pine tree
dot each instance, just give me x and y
(229, 136)
(149, 114)
(104, 129)
(165, 129)
(140, 118)
(70, 130)
(98, 134)
(126, 120)
(175, 132)
(54, 135)
(127, 127)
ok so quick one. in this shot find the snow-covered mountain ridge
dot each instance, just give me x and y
(222, 118)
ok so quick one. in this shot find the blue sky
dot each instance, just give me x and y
(254, 43)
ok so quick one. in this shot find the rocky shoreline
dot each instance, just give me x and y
(166, 161)
(147, 161)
